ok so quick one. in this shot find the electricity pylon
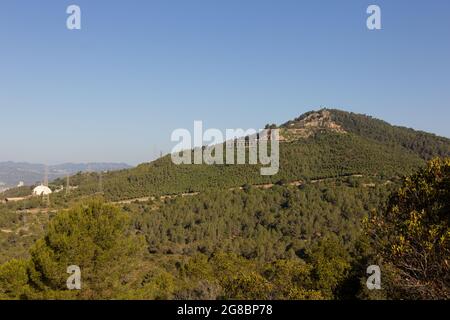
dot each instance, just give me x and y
(67, 185)
(46, 197)
(100, 183)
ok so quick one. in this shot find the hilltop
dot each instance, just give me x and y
(318, 144)
(426, 145)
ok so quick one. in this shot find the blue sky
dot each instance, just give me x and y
(115, 90)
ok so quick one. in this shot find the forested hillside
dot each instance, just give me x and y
(425, 144)
(325, 155)
(331, 143)
(351, 191)
(276, 223)
(307, 242)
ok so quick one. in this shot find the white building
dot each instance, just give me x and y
(41, 191)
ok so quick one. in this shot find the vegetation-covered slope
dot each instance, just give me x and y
(299, 234)
(285, 242)
(324, 155)
(424, 144)
(326, 143)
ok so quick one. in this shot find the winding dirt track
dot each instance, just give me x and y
(295, 183)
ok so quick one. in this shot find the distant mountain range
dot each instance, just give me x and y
(13, 173)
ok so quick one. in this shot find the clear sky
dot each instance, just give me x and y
(115, 90)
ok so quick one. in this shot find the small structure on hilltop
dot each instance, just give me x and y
(41, 191)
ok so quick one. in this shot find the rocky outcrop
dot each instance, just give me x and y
(309, 125)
